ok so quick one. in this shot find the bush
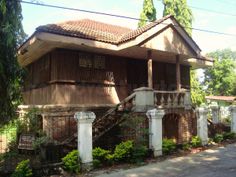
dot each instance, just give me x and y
(186, 146)
(71, 162)
(139, 153)
(40, 141)
(196, 141)
(168, 145)
(100, 156)
(229, 135)
(97, 163)
(23, 169)
(123, 151)
(110, 159)
(218, 138)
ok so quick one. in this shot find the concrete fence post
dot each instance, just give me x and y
(144, 99)
(202, 129)
(155, 130)
(215, 113)
(85, 142)
(233, 118)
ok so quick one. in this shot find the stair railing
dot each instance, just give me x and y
(107, 118)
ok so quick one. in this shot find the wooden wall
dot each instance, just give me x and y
(164, 76)
(59, 78)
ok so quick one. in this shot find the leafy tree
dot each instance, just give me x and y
(11, 35)
(220, 79)
(197, 92)
(180, 10)
(148, 13)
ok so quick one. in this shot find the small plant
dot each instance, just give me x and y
(71, 162)
(168, 146)
(23, 169)
(110, 159)
(97, 163)
(40, 141)
(186, 146)
(139, 153)
(100, 156)
(218, 138)
(123, 151)
(229, 135)
(196, 141)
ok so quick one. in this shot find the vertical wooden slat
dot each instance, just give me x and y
(149, 57)
(178, 85)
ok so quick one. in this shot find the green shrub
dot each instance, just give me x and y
(218, 138)
(97, 163)
(40, 141)
(196, 141)
(71, 162)
(229, 135)
(23, 169)
(123, 151)
(186, 146)
(168, 145)
(139, 153)
(100, 156)
(110, 159)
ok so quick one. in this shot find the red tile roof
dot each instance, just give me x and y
(222, 98)
(94, 30)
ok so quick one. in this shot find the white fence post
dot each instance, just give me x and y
(155, 129)
(215, 113)
(85, 143)
(202, 129)
(233, 118)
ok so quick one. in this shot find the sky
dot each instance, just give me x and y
(34, 16)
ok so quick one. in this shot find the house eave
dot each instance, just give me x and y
(41, 43)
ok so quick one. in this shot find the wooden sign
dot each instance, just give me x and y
(26, 141)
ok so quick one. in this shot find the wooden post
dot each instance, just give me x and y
(149, 57)
(178, 84)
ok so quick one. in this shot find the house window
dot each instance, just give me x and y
(85, 60)
(99, 62)
(89, 61)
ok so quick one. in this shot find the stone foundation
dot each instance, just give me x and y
(58, 120)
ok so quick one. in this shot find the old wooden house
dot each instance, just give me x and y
(90, 65)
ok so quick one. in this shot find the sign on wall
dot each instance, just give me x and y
(26, 141)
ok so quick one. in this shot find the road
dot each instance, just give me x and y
(218, 162)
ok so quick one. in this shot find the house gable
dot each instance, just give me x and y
(169, 40)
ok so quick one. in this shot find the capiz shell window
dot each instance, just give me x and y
(85, 60)
(99, 62)
(88, 61)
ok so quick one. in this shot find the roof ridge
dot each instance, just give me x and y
(140, 30)
(97, 30)
(85, 20)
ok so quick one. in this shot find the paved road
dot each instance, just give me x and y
(220, 162)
